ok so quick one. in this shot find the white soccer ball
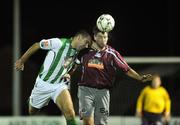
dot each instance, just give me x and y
(105, 23)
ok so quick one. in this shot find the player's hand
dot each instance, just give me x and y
(166, 117)
(67, 76)
(19, 65)
(67, 62)
(139, 114)
(146, 78)
(66, 79)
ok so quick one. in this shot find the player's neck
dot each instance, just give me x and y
(96, 47)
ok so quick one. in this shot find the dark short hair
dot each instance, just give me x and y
(86, 35)
(96, 30)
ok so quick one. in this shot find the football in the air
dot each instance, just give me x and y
(105, 23)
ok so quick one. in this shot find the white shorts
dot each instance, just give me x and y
(43, 92)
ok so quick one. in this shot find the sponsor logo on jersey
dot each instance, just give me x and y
(45, 44)
(95, 63)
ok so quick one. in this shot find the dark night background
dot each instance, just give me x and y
(143, 28)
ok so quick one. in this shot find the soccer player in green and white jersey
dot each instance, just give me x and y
(50, 82)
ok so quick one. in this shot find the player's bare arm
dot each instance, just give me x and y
(19, 64)
(144, 78)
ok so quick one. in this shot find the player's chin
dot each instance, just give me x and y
(81, 47)
(102, 45)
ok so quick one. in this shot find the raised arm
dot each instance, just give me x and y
(19, 64)
(121, 64)
(144, 78)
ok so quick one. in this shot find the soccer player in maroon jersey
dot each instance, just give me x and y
(99, 65)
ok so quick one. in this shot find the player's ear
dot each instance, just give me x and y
(76, 37)
(79, 37)
(94, 37)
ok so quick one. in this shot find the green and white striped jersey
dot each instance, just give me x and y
(53, 67)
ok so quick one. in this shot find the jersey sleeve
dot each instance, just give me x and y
(119, 62)
(167, 101)
(139, 105)
(50, 44)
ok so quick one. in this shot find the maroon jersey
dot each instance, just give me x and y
(99, 67)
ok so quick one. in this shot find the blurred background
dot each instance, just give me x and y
(142, 29)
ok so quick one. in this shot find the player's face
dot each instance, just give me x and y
(156, 82)
(101, 39)
(81, 42)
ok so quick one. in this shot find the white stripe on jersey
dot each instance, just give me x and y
(111, 52)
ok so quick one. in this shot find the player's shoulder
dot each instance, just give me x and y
(56, 41)
(83, 52)
(53, 39)
(163, 89)
(112, 49)
(147, 88)
(65, 39)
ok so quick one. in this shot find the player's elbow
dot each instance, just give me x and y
(36, 45)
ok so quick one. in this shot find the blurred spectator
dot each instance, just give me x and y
(154, 104)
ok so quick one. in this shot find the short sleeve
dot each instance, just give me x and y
(49, 44)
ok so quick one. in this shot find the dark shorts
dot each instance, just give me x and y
(151, 119)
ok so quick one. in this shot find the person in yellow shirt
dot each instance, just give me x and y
(153, 103)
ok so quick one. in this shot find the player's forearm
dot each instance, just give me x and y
(30, 52)
(133, 74)
(168, 106)
(139, 108)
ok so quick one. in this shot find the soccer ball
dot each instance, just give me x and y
(105, 23)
